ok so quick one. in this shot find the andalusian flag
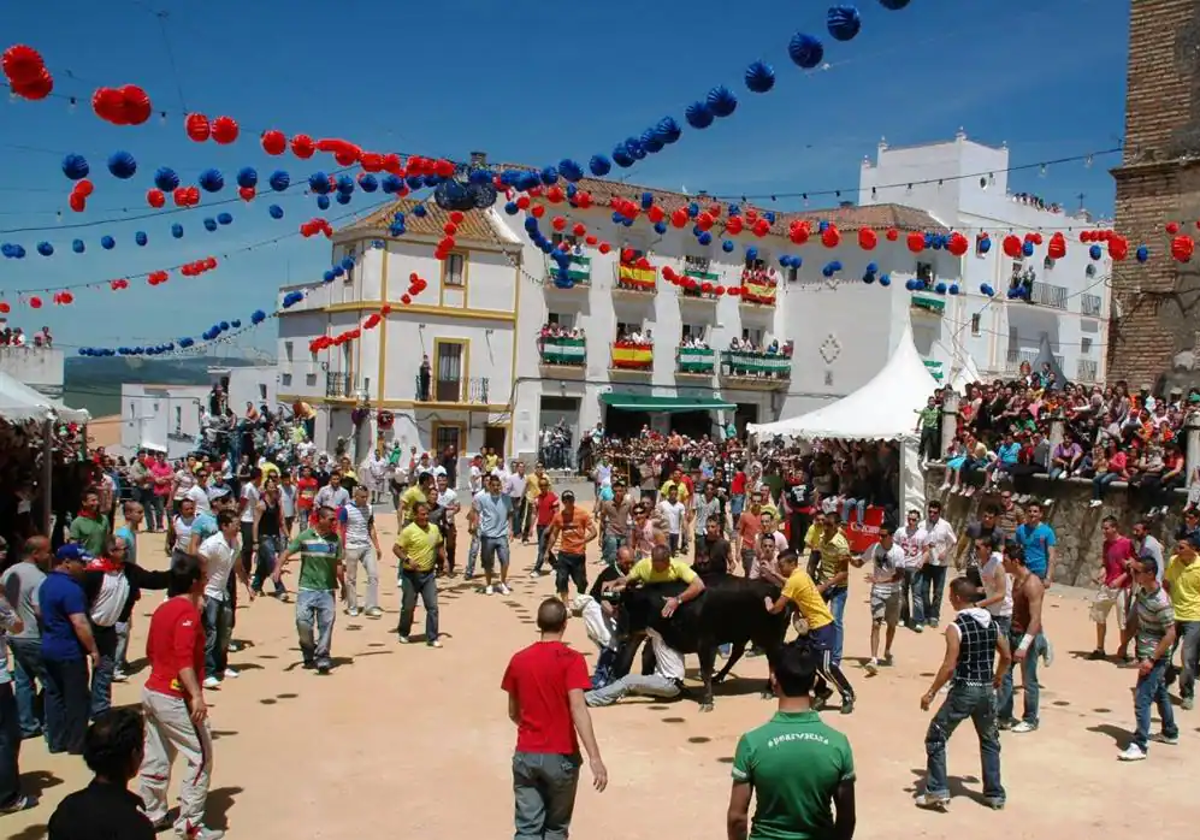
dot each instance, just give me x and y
(696, 360)
(579, 270)
(631, 275)
(763, 293)
(633, 356)
(563, 351)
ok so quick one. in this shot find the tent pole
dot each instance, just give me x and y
(47, 472)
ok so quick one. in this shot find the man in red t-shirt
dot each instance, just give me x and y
(306, 492)
(173, 702)
(545, 684)
(546, 506)
(1113, 579)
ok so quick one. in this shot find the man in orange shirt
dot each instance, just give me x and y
(575, 529)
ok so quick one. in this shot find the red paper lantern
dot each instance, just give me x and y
(406, 299)
(734, 291)
(605, 247)
(1118, 248)
(579, 229)
(762, 227)
(591, 240)
(627, 255)
(643, 264)
(704, 221)
(77, 202)
(719, 291)
(830, 237)
(679, 217)
(386, 309)
(538, 210)
(1011, 246)
(197, 127)
(302, 146)
(706, 288)
(22, 64)
(247, 193)
(799, 232)
(35, 302)
(555, 194)
(559, 223)
(867, 239)
(734, 226)
(1172, 228)
(916, 242)
(39, 88)
(5, 308)
(656, 214)
(957, 244)
(1057, 249)
(1182, 247)
(224, 130)
(892, 234)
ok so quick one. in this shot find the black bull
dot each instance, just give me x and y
(730, 611)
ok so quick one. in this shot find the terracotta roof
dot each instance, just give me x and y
(879, 216)
(475, 226)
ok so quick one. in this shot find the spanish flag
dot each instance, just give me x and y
(634, 276)
(763, 293)
(632, 356)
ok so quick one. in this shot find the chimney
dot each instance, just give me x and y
(478, 158)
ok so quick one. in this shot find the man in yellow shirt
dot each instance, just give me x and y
(834, 574)
(681, 488)
(419, 493)
(821, 633)
(1182, 582)
(533, 489)
(418, 547)
(661, 567)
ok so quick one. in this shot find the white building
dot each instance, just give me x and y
(41, 368)
(168, 416)
(1069, 298)
(478, 322)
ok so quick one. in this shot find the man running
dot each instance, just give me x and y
(321, 575)
(885, 577)
(1025, 639)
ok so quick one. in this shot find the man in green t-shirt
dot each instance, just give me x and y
(795, 765)
(90, 528)
(321, 574)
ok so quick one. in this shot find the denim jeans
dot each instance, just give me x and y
(424, 584)
(835, 596)
(67, 699)
(122, 628)
(541, 548)
(492, 549)
(101, 691)
(153, 505)
(1101, 482)
(1189, 656)
(927, 605)
(1028, 677)
(28, 676)
(651, 685)
(736, 505)
(264, 563)
(544, 787)
(216, 636)
(909, 595)
(979, 704)
(1152, 690)
(316, 610)
(610, 545)
(857, 504)
(10, 746)
(472, 556)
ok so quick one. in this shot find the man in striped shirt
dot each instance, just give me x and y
(1155, 634)
(321, 575)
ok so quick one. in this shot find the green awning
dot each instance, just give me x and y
(668, 405)
(929, 302)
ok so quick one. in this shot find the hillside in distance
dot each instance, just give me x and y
(95, 383)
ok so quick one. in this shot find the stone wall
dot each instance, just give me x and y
(1075, 523)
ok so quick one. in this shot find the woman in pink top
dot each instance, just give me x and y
(162, 477)
(1117, 469)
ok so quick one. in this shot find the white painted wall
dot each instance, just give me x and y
(166, 415)
(38, 367)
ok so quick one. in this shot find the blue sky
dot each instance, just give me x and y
(523, 81)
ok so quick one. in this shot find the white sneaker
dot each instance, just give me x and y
(352, 612)
(374, 612)
(233, 647)
(434, 644)
(1024, 726)
(489, 590)
(231, 673)
(1132, 753)
(504, 590)
(535, 575)
(1095, 503)
(404, 640)
(119, 676)
(212, 682)
(872, 666)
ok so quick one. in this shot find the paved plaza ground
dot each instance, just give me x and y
(411, 741)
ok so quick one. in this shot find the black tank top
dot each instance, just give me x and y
(268, 524)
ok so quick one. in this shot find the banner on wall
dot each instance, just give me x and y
(631, 275)
(741, 364)
(763, 293)
(563, 351)
(862, 535)
(628, 355)
(696, 360)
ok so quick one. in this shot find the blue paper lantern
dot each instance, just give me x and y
(760, 78)
(634, 146)
(704, 238)
(141, 239)
(647, 200)
(224, 218)
(419, 211)
(698, 115)
(78, 247)
(1027, 248)
(224, 326)
(531, 225)
(984, 245)
(166, 179)
(343, 198)
(940, 288)
(368, 182)
(727, 246)
(107, 243)
(480, 176)
(660, 228)
(323, 202)
(511, 208)
(318, 182)
(751, 253)
(1095, 252)
(257, 316)
(247, 177)
(668, 130)
(279, 180)
(122, 165)
(806, 51)
(391, 184)
(347, 263)
(328, 277)
(275, 211)
(651, 141)
(210, 224)
(721, 101)
(235, 324)
(828, 269)
(843, 22)
(868, 277)
(549, 176)
(45, 249)
(211, 180)
(985, 290)
(177, 230)
(893, 5)
(345, 184)
(953, 289)
(885, 280)
(1143, 253)
(822, 226)
(75, 167)
(622, 158)
(570, 170)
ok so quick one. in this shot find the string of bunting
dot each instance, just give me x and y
(416, 285)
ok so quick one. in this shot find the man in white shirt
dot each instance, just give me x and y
(666, 681)
(247, 505)
(514, 486)
(332, 495)
(198, 492)
(362, 546)
(447, 503)
(911, 539)
(931, 580)
(476, 479)
(885, 576)
(218, 557)
(671, 510)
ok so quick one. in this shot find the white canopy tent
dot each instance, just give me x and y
(883, 409)
(20, 403)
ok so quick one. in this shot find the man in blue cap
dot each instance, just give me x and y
(67, 644)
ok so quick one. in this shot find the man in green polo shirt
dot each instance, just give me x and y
(90, 528)
(321, 574)
(795, 765)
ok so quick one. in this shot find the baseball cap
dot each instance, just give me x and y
(72, 552)
(568, 496)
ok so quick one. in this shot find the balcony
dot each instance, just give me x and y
(460, 391)
(628, 358)
(579, 275)
(695, 361)
(339, 386)
(1087, 370)
(756, 371)
(1015, 358)
(928, 303)
(1091, 305)
(758, 290)
(562, 358)
(41, 368)
(635, 281)
(1046, 294)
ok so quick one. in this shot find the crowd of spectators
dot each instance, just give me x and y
(17, 337)
(1109, 434)
(1031, 200)
(759, 275)
(635, 336)
(556, 330)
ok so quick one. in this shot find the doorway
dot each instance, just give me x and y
(494, 438)
(746, 413)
